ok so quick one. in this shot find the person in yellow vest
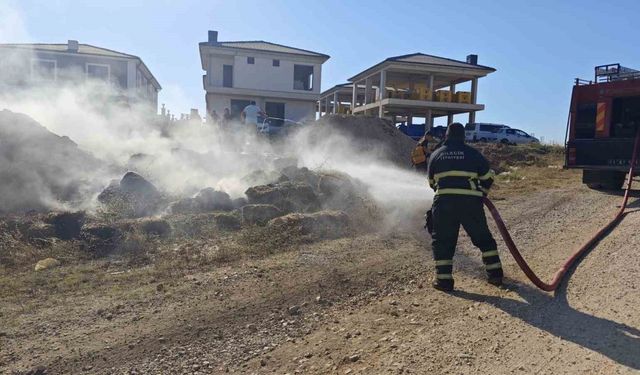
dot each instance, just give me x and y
(420, 154)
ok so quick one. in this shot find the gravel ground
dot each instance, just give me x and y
(359, 305)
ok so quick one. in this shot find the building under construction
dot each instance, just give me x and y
(415, 85)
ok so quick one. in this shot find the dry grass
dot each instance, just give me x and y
(524, 169)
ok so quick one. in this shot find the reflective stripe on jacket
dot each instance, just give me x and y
(458, 169)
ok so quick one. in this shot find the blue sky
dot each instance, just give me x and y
(537, 47)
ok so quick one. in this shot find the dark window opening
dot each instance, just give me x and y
(585, 123)
(237, 106)
(303, 77)
(275, 110)
(625, 117)
(100, 72)
(44, 69)
(251, 60)
(490, 128)
(276, 62)
(227, 76)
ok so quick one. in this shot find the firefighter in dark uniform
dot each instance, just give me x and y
(460, 177)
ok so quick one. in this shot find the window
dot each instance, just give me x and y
(98, 71)
(625, 117)
(43, 69)
(510, 131)
(276, 62)
(251, 60)
(227, 76)
(275, 110)
(490, 128)
(470, 127)
(521, 133)
(585, 124)
(303, 77)
(237, 106)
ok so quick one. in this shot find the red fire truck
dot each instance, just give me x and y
(604, 118)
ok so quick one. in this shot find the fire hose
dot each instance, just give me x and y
(557, 278)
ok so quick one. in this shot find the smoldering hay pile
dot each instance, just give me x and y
(338, 174)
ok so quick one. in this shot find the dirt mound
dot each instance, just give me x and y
(369, 134)
(39, 168)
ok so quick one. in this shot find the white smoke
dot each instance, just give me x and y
(180, 158)
(187, 156)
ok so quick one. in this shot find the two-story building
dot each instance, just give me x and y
(33, 65)
(283, 81)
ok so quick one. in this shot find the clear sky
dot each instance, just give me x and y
(537, 47)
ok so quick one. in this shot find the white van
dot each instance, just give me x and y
(482, 132)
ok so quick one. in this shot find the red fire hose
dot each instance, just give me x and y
(569, 262)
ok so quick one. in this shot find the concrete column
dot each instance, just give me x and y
(367, 90)
(326, 106)
(449, 118)
(319, 108)
(428, 120)
(354, 96)
(383, 85)
(474, 90)
(335, 103)
(472, 117)
(474, 98)
(430, 83)
(409, 120)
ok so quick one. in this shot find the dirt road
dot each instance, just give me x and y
(355, 305)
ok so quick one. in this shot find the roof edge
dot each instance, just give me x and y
(394, 59)
(219, 45)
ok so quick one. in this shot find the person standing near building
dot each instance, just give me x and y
(461, 177)
(226, 118)
(215, 118)
(251, 113)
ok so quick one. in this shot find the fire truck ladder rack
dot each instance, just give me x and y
(557, 278)
(614, 72)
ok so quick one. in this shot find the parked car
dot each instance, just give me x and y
(416, 131)
(272, 126)
(482, 132)
(515, 137)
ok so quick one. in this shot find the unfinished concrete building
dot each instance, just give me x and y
(415, 85)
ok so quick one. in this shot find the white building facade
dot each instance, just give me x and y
(283, 81)
(24, 66)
